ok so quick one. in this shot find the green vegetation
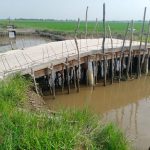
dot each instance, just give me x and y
(69, 26)
(70, 129)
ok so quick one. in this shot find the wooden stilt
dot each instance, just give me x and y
(86, 17)
(112, 56)
(146, 57)
(74, 77)
(130, 49)
(78, 79)
(53, 83)
(96, 68)
(140, 47)
(49, 80)
(122, 53)
(105, 70)
(78, 71)
(68, 79)
(131, 66)
(77, 47)
(35, 84)
(62, 79)
(103, 44)
(95, 29)
(87, 77)
(93, 64)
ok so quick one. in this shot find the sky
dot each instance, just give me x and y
(73, 9)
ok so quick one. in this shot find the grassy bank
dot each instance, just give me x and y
(67, 130)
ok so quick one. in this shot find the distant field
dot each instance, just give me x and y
(68, 26)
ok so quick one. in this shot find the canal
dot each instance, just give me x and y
(21, 42)
(127, 104)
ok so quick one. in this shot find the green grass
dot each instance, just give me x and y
(69, 26)
(68, 130)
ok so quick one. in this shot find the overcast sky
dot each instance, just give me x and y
(72, 9)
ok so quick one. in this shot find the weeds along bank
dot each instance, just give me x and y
(67, 130)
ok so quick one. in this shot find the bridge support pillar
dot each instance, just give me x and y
(145, 65)
(90, 76)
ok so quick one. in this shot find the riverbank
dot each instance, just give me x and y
(24, 128)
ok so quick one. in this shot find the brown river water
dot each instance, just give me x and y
(127, 104)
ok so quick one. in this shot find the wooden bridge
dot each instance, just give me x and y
(65, 59)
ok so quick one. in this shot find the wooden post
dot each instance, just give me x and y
(130, 49)
(78, 72)
(77, 28)
(53, 83)
(146, 56)
(96, 65)
(62, 79)
(122, 51)
(34, 80)
(112, 56)
(68, 80)
(86, 29)
(103, 44)
(95, 28)
(51, 73)
(141, 39)
(74, 77)
(77, 47)
(49, 79)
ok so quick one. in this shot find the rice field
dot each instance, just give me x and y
(69, 26)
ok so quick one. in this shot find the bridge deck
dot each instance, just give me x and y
(41, 56)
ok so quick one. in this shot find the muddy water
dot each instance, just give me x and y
(127, 104)
(21, 42)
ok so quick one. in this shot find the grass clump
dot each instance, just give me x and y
(110, 137)
(67, 130)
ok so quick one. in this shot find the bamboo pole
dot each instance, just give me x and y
(68, 80)
(62, 79)
(34, 80)
(86, 24)
(53, 84)
(78, 57)
(103, 44)
(95, 29)
(77, 28)
(141, 39)
(122, 51)
(112, 55)
(130, 49)
(74, 77)
(146, 42)
(78, 73)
